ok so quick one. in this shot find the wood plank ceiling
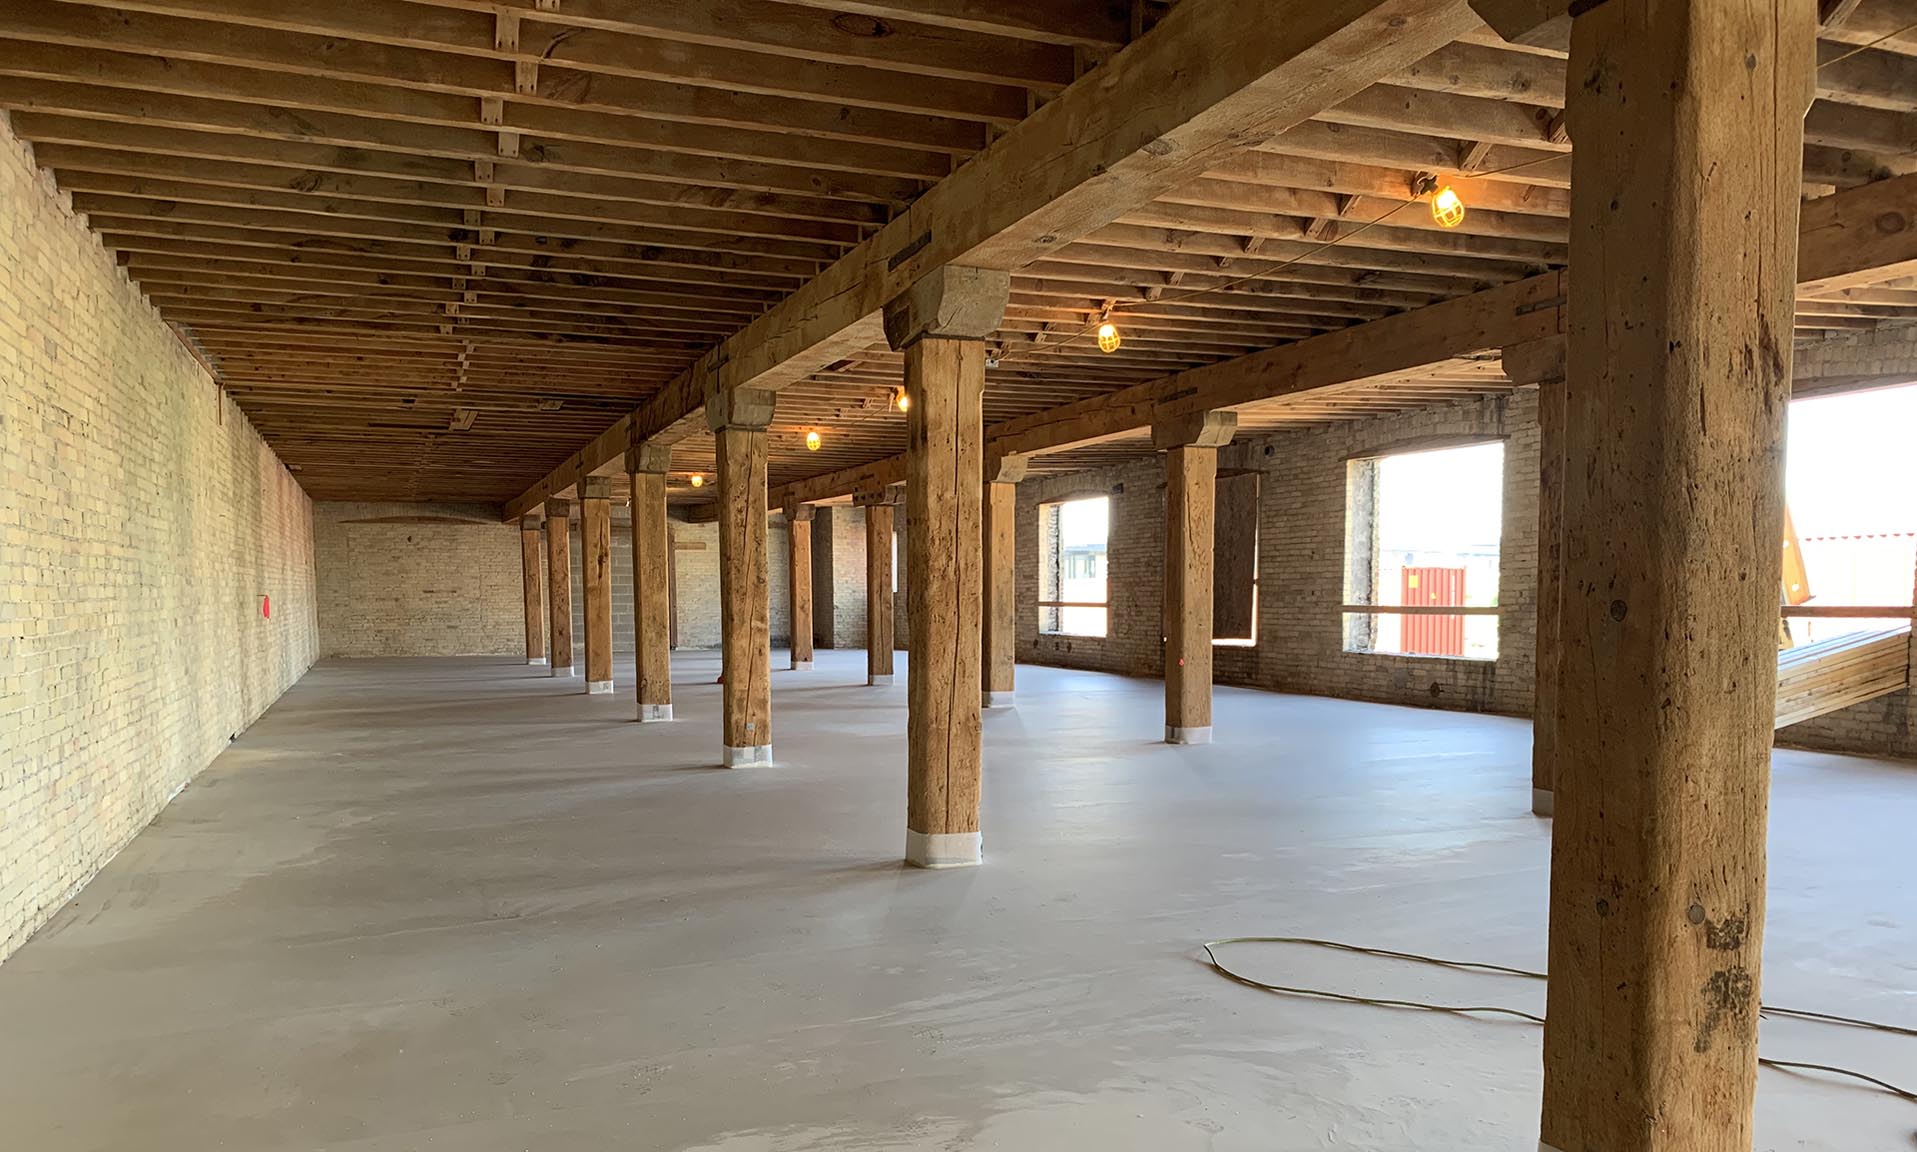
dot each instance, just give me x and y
(432, 246)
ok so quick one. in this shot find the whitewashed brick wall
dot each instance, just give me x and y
(142, 523)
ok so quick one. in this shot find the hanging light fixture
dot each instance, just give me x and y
(1447, 207)
(902, 399)
(698, 481)
(1108, 337)
(812, 441)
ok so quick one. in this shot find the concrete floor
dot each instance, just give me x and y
(457, 905)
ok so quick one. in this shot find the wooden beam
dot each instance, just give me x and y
(998, 627)
(798, 523)
(646, 469)
(881, 637)
(738, 422)
(595, 565)
(1186, 95)
(559, 584)
(1190, 444)
(1671, 565)
(532, 571)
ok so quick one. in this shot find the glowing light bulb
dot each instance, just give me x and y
(811, 441)
(903, 400)
(698, 481)
(1447, 208)
(1108, 338)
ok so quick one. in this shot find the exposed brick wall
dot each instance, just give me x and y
(418, 580)
(141, 522)
(1886, 355)
(838, 578)
(1886, 726)
(1135, 571)
(1301, 544)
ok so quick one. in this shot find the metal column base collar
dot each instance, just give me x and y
(746, 757)
(599, 687)
(651, 713)
(943, 849)
(536, 661)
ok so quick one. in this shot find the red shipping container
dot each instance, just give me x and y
(1434, 635)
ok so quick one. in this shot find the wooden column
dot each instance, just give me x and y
(1542, 364)
(1190, 444)
(647, 465)
(999, 627)
(1688, 123)
(738, 420)
(798, 523)
(595, 543)
(880, 638)
(532, 571)
(559, 583)
(941, 323)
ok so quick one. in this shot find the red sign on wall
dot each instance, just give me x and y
(266, 607)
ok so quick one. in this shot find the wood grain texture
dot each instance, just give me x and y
(559, 583)
(881, 638)
(945, 455)
(1689, 122)
(595, 542)
(1191, 473)
(1544, 711)
(651, 591)
(532, 563)
(744, 608)
(999, 627)
(798, 523)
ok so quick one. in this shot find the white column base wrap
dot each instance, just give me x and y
(943, 849)
(1000, 699)
(651, 713)
(802, 665)
(537, 661)
(1187, 735)
(1544, 802)
(564, 670)
(878, 681)
(746, 757)
(599, 687)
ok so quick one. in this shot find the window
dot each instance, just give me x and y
(1234, 601)
(1072, 558)
(1850, 532)
(1421, 535)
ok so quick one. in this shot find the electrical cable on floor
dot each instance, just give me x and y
(1211, 958)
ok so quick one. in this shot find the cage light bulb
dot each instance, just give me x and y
(698, 481)
(1108, 338)
(1447, 207)
(903, 399)
(811, 441)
